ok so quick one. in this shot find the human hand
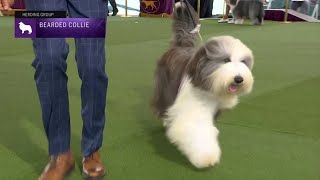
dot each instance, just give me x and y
(6, 4)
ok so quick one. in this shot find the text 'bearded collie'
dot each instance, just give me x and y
(193, 84)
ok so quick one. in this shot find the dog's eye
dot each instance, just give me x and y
(244, 61)
(226, 60)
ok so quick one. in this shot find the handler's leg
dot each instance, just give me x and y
(90, 57)
(51, 81)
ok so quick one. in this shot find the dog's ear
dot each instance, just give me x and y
(195, 67)
(249, 61)
(199, 56)
(167, 81)
(162, 92)
(214, 49)
(220, 48)
(211, 50)
(204, 62)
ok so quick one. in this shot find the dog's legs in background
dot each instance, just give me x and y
(238, 21)
(236, 15)
(256, 13)
(253, 17)
(231, 9)
(255, 21)
(261, 14)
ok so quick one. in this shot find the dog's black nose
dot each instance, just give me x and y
(238, 79)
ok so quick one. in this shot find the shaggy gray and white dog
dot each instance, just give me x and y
(194, 83)
(252, 9)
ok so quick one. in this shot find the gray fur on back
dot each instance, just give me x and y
(172, 65)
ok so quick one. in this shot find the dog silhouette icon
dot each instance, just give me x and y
(24, 27)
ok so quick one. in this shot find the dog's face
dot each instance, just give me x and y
(223, 67)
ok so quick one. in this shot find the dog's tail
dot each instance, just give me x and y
(186, 24)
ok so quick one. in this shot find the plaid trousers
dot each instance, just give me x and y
(51, 78)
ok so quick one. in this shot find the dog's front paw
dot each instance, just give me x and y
(197, 140)
(205, 159)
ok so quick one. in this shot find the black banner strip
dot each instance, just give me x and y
(41, 14)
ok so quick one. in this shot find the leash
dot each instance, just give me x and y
(197, 26)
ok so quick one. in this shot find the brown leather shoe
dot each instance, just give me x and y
(92, 167)
(58, 167)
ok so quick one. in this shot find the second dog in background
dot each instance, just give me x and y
(242, 9)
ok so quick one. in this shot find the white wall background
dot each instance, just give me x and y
(217, 7)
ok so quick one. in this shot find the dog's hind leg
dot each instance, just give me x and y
(238, 21)
(256, 13)
(253, 17)
(236, 14)
(261, 14)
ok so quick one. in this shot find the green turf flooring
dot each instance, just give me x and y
(274, 134)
